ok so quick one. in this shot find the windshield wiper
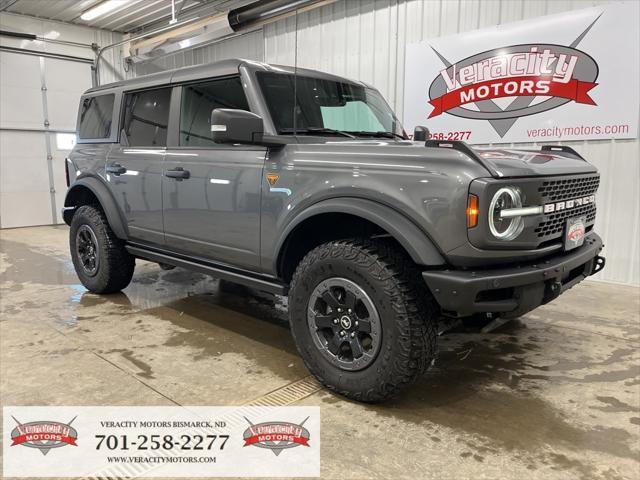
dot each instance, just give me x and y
(380, 134)
(316, 130)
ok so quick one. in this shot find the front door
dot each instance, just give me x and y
(211, 192)
(134, 168)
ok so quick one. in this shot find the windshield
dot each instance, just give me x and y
(326, 107)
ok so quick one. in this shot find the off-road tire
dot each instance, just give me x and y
(115, 266)
(408, 316)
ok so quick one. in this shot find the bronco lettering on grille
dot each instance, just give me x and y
(567, 204)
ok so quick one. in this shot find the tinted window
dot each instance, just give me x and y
(95, 116)
(146, 116)
(198, 101)
(326, 104)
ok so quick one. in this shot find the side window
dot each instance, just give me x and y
(199, 100)
(95, 117)
(146, 116)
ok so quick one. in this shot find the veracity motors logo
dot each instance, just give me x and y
(539, 76)
(276, 436)
(44, 435)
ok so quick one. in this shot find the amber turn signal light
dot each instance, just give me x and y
(472, 211)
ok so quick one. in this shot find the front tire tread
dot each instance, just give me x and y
(416, 312)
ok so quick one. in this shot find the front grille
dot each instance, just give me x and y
(552, 225)
(558, 190)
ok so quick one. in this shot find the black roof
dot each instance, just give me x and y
(216, 69)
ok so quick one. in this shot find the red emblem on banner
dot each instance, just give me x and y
(276, 436)
(531, 86)
(44, 435)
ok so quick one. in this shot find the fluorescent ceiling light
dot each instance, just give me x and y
(103, 8)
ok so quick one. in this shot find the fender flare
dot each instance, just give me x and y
(412, 238)
(107, 202)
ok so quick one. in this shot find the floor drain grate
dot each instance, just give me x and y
(288, 394)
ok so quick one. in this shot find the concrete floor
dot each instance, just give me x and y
(553, 395)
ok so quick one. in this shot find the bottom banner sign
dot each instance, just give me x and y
(128, 442)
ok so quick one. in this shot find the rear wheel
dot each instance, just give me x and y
(362, 318)
(99, 257)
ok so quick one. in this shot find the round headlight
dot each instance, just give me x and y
(510, 227)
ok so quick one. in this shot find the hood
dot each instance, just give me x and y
(386, 156)
(530, 163)
(499, 163)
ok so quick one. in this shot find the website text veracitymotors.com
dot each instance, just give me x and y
(160, 459)
(559, 132)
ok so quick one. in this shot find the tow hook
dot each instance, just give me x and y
(554, 289)
(598, 265)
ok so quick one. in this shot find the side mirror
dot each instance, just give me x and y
(420, 134)
(236, 126)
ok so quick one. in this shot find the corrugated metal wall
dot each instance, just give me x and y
(112, 63)
(249, 46)
(366, 40)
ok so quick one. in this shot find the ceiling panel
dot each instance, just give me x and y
(132, 16)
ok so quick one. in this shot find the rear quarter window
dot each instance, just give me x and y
(95, 117)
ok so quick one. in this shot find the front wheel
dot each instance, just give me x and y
(99, 257)
(362, 318)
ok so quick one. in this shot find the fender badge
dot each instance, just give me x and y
(272, 178)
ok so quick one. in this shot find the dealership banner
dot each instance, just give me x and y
(571, 76)
(171, 442)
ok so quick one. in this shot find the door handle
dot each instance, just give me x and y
(116, 169)
(178, 173)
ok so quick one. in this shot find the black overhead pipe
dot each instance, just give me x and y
(256, 12)
(26, 36)
(31, 36)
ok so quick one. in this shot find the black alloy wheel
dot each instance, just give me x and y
(344, 323)
(87, 250)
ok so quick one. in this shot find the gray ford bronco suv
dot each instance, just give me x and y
(304, 184)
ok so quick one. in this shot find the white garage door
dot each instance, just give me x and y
(32, 184)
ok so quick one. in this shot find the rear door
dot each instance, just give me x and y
(134, 167)
(211, 192)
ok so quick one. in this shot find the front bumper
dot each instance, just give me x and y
(514, 290)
